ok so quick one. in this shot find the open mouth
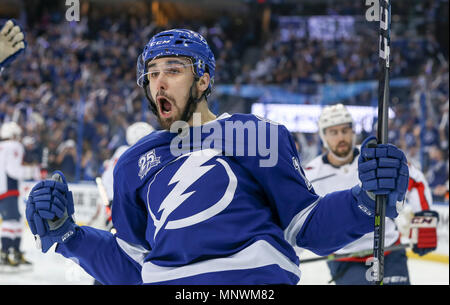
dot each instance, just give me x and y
(165, 107)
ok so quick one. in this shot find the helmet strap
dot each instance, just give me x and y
(192, 102)
(151, 102)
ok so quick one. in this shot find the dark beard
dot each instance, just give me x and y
(343, 154)
(187, 113)
(165, 123)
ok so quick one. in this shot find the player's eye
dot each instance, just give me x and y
(153, 74)
(173, 70)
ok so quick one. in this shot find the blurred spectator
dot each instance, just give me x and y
(88, 163)
(32, 154)
(78, 79)
(437, 174)
(308, 146)
(430, 136)
(444, 127)
(66, 159)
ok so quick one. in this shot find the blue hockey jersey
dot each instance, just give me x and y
(221, 203)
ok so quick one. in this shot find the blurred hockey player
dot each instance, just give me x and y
(12, 43)
(192, 206)
(134, 133)
(11, 172)
(337, 169)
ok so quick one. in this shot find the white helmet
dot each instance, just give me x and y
(332, 116)
(10, 130)
(136, 131)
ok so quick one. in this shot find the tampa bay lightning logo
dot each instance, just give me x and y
(190, 190)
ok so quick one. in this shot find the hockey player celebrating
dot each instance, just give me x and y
(12, 43)
(213, 214)
(11, 172)
(337, 169)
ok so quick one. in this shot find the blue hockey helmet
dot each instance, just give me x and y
(178, 42)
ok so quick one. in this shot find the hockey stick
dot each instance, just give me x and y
(105, 201)
(382, 134)
(102, 191)
(364, 253)
(103, 197)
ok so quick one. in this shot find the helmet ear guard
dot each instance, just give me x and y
(151, 103)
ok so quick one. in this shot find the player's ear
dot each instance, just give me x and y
(203, 82)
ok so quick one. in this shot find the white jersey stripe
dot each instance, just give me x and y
(291, 232)
(258, 254)
(136, 252)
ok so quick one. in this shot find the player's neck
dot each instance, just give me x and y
(202, 111)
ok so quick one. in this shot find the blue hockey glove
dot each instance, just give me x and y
(49, 212)
(382, 170)
(12, 42)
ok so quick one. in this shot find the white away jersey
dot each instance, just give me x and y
(11, 168)
(107, 176)
(328, 178)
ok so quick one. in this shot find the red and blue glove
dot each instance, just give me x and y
(382, 170)
(423, 233)
(49, 212)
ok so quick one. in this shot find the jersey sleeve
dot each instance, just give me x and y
(320, 224)
(99, 253)
(419, 196)
(15, 167)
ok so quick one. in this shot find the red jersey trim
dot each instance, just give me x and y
(10, 193)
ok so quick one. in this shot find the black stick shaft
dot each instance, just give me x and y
(382, 133)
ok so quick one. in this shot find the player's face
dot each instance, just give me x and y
(339, 139)
(170, 81)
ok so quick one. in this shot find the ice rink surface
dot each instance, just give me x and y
(421, 272)
(52, 268)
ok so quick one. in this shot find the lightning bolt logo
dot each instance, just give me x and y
(188, 173)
